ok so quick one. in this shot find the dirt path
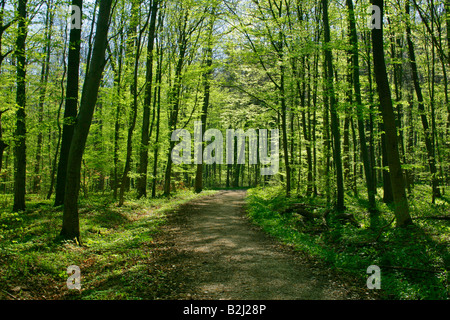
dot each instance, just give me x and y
(211, 251)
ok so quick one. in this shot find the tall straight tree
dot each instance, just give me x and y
(71, 106)
(21, 99)
(333, 110)
(187, 23)
(71, 228)
(357, 91)
(3, 28)
(133, 52)
(143, 164)
(198, 185)
(401, 208)
(427, 131)
(157, 103)
(45, 70)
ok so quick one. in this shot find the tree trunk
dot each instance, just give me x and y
(198, 185)
(427, 132)
(133, 47)
(401, 208)
(145, 137)
(70, 228)
(158, 114)
(333, 111)
(43, 90)
(20, 134)
(174, 100)
(70, 109)
(357, 92)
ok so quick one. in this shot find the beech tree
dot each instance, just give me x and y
(384, 93)
(20, 163)
(363, 115)
(70, 228)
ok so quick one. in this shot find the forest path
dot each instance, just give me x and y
(210, 250)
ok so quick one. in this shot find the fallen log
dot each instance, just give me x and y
(300, 208)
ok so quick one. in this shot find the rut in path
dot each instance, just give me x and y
(219, 254)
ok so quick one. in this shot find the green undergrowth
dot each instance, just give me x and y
(414, 261)
(116, 256)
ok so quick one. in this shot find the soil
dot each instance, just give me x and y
(210, 250)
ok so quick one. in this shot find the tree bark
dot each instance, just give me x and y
(427, 131)
(360, 115)
(401, 208)
(133, 47)
(198, 184)
(333, 111)
(70, 109)
(145, 137)
(20, 134)
(43, 91)
(70, 228)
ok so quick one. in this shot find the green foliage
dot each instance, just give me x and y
(414, 262)
(115, 256)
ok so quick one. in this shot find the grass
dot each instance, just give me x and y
(117, 256)
(414, 261)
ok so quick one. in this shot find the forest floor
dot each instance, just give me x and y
(229, 245)
(210, 249)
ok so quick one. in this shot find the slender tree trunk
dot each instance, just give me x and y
(134, 47)
(20, 134)
(118, 112)
(198, 185)
(43, 90)
(145, 137)
(357, 90)
(333, 111)
(158, 115)
(70, 109)
(3, 28)
(174, 100)
(427, 131)
(71, 228)
(401, 208)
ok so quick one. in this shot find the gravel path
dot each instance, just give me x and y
(210, 250)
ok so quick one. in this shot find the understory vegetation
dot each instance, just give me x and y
(414, 261)
(118, 258)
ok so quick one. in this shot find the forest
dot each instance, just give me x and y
(349, 97)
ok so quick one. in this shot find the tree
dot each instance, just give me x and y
(333, 110)
(45, 70)
(145, 136)
(426, 128)
(3, 28)
(357, 91)
(401, 208)
(21, 99)
(70, 228)
(198, 185)
(186, 25)
(71, 107)
(133, 52)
